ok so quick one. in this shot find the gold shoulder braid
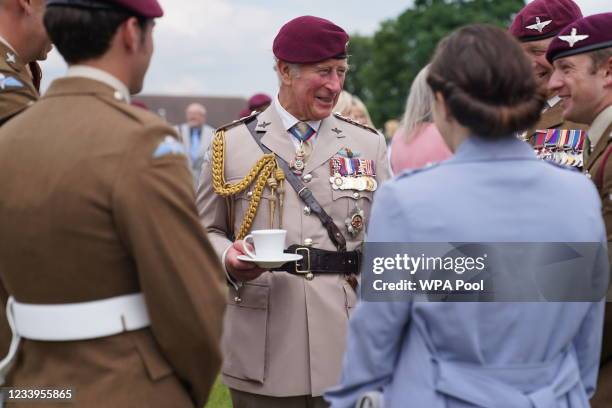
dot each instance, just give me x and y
(265, 169)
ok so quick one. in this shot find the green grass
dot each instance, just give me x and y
(219, 396)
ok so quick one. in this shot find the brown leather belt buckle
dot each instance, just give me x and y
(299, 265)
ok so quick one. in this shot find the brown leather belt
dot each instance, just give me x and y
(320, 261)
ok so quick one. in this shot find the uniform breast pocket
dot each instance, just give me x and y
(353, 209)
(243, 202)
(245, 334)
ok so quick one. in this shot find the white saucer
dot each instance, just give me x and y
(271, 263)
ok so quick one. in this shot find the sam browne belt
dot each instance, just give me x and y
(321, 261)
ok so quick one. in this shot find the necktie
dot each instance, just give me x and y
(195, 144)
(302, 131)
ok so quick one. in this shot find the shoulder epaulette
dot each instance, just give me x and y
(352, 122)
(411, 172)
(237, 122)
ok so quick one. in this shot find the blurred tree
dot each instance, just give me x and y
(384, 66)
(360, 51)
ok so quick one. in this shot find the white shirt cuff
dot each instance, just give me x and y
(237, 285)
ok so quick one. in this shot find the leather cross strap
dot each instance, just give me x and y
(304, 193)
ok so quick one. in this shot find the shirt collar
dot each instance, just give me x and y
(553, 101)
(289, 120)
(5, 42)
(101, 76)
(599, 126)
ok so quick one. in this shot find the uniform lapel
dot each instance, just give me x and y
(600, 147)
(185, 135)
(205, 137)
(329, 141)
(273, 134)
(11, 62)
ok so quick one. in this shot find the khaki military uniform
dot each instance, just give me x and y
(602, 130)
(17, 91)
(553, 119)
(284, 334)
(92, 207)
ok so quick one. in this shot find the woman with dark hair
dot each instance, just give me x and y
(493, 190)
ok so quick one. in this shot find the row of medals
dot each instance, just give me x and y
(570, 158)
(356, 219)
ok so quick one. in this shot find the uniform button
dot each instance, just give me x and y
(307, 210)
(250, 195)
(118, 96)
(308, 242)
(356, 196)
(237, 299)
(307, 178)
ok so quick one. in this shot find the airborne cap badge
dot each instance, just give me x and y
(539, 25)
(573, 38)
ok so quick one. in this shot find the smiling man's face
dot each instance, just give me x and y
(581, 87)
(536, 51)
(313, 92)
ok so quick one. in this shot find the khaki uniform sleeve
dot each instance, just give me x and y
(179, 272)
(213, 211)
(14, 100)
(606, 352)
(383, 167)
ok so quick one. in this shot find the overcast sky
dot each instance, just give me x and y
(224, 47)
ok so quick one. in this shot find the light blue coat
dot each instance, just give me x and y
(495, 355)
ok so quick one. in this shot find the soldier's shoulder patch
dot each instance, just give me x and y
(352, 122)
(412, 172)
(237, 122)
(8, 82)
(169, 146)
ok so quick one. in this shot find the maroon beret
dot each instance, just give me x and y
(308, 39)
(244, 113)
(587, 34)
(139, 104)
(258, 100)
(143, 8)
(542, 19)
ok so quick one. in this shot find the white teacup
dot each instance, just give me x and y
(268, 244)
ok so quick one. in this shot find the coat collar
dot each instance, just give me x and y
(273, 134)
(276, 138)
(81, 86)
(96, 74)
(289, 120)
(599, 134)
(10, 57)
(475, 149)
(331, 137)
